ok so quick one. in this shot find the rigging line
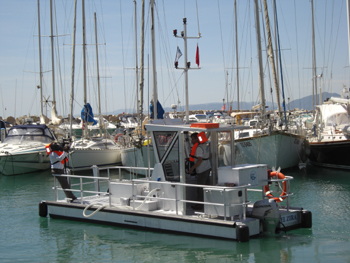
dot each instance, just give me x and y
(199, 31)
(34, 25)
(166, 45)
(222, 42)
(267, 55)
(121, 28)
(175, 86)
(324, 36)
(170, 70)
(296, 38)
(336, 39)
(330, 45)
(59, 61)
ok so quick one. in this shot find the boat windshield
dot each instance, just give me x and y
(201, 117)
(27, 139)
(26, 135)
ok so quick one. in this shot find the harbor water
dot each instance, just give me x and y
(27, 237)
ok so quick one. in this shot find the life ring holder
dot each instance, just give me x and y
(283, 195)
(116, 138)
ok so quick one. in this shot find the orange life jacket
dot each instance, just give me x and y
(59, 153)
(193, 151)
(48, 148)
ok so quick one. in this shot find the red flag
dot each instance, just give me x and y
(223, 107)
(197, 56)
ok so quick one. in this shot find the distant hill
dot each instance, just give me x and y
(303, 103)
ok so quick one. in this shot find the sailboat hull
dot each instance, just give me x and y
(137, 157)
(82, 159)
(279, 149)
(330, 154)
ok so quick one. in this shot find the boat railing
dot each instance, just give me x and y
(178, 201)
(96, 178)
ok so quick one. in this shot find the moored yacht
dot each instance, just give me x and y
(23, 150)
(330, 142)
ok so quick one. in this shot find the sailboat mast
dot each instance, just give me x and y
(237, 70)
(155, 90)
(136, 61)
(84, 51)
(270, 54)
(73, 67)
(142, 61)
(98, 79)
(261, 72)
(348, 13)
(40, 68)
(84, 62)
(52, 61)
(314, 79)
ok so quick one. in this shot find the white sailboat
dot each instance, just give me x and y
(97, 150)
(277, 148)
(330, 138)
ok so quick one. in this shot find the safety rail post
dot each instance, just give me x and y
(133, 196)
(224, 204)
(177, 212)
(96, 174)
(55, 186)
(120, 174)
(109, 187)
(81, 189)
(288, 192)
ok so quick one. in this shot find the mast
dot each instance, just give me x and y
(42, 120)
(314, 79)
(155, 91)
(136, 62)
(98, 80)
(186, 69)
(270, 54)
(84, 60)
(73, 67)
(276, 44)
(187, 63)
(142, 62)
(261, 72)
(348, 13)
(237, 70)
(52, 63)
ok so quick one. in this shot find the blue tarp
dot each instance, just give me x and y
(160, 110)
(87, 115)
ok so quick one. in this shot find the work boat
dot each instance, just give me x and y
(23, 150)
(165, 200)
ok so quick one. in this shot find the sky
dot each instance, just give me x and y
(214, 81)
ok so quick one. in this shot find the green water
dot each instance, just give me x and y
(26, 237)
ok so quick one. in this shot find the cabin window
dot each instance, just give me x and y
(163, 141)
(171, 164)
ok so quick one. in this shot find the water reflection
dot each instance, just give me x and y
(79, 241)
